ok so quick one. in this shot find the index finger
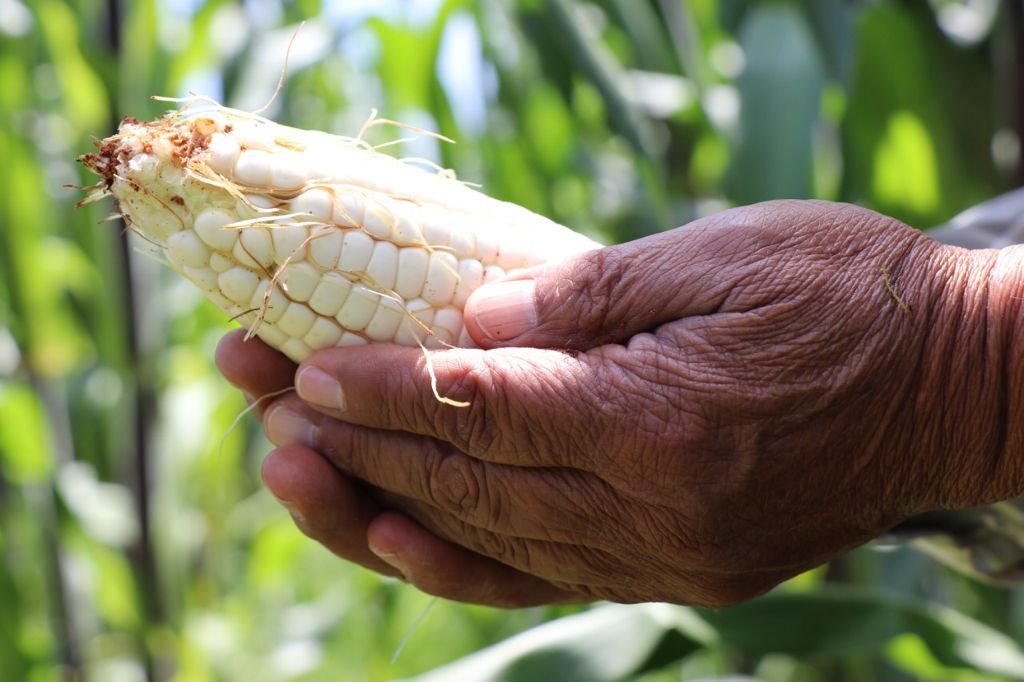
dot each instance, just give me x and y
(523, 406)
(252, 366)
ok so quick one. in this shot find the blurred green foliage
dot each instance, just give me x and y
(135, 540)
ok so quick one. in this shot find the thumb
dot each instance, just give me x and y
(602, 296)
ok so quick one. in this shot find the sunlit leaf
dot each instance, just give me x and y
(946, 119)
(605, 644)
(25, 443)
(83, 92)
(116, 601)
(549, 128)
(905, 166)
(833, 623)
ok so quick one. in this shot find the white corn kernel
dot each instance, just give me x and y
(289, 243)
(405, 232)
(358, 309)
(187, 248)
(442, 278)
(296, 349)
(219, 263)
(238, 284)
(299, 280)
(349, 209)
(356, 251)
(412, 271)
(224, 152)
(323, 334)
(285, 173)
(465, 340)
(377, 220)
(254, 248)
(253, 168)
(330, 294)
(383, 266)
(384, 323)
(317, 202)
(486, 243)
(349, 339)
(252, 135)
(447, 325)
(324, 246)
(263, 201)
(270, 309)
(471, 278)
(492, 273)
(210, 226)
(205, 278)
(297, 320)
(463, 243)
(437, 234)
(512, 253)
(271, 334)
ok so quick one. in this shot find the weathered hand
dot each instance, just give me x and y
(743, 398)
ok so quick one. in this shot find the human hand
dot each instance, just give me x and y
(746, 398)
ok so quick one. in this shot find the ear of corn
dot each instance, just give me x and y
(312, 240)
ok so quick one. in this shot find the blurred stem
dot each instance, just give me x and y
(686, 41)
(1016, 11)
(598, 65)
(141, 554)
(43, 503)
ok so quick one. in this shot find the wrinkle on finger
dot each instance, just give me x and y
(564, 563)
(444, 569)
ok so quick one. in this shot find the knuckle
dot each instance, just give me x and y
(510, 551)
(456, 485)
(472, 427)
(587, 292)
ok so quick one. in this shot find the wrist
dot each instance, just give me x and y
(1005, 475)
(972, 377)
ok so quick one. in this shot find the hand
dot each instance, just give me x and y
(742, 399)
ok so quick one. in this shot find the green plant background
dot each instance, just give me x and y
(136, 542)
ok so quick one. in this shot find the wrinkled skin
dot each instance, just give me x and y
(732, 402)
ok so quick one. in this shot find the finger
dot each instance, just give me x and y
(596, 574)
(522, 406)
(560, 505)
(325, 505)
(571, 564)
(253, 367)
(611, 294)
(444, 569)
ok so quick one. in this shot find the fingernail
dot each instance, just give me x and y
(318, 387)
(505, 310)
(296, 515)
(395, 562)
(285, 427)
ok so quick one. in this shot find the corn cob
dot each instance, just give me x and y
(313, 240)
